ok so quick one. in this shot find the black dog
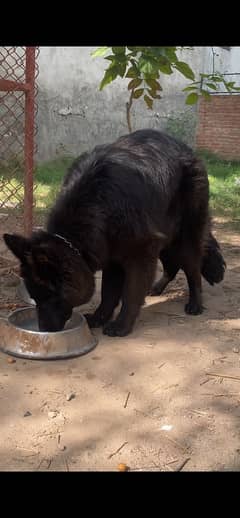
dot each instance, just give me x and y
(121, 207)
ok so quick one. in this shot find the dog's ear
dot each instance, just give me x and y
(20, 246)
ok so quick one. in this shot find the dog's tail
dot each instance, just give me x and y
(213, 266)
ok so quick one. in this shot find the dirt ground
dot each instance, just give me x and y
(166, 398)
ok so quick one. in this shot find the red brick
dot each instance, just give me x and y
(219, 125)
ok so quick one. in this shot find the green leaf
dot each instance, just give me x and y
(205, 75)
(157, 51)
(138, 93)
(155, 85)
(132, 72)
(120, 58)
(134, 83)
(185, 69)
(109, 76)
(121, 69)
(148, 101)
(145, 66)
(118, 50)
(111, 58)
(171, 54)
(211, 85)
(101, 51)
(189, 88)
(205, 93)
(153, 75)
(138, 49)
(216, 79)
(154, 94)
(192, 98)
(165, 68)
(231, 84)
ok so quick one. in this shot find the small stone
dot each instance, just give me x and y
(122, 467)
(131, 373)
(235, 350)
(61, 447)
(52, 414)
(70, 396)
(27, 414)
(11, 360)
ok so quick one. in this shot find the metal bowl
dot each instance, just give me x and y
(19, 336)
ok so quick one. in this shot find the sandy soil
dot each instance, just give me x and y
(165, 398)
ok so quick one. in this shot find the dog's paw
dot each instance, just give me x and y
(115, 328)
(194, 308)
(93, 320)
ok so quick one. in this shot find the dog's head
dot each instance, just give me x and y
(56, 277)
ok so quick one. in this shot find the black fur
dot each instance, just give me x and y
(212, 268)
(122, 206)
(213, 264)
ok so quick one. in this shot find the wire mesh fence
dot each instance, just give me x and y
(18, 107)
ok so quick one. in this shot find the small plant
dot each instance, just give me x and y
(144, 67)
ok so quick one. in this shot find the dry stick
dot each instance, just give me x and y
(179, 468)
(126, 402)
(223, 376)
(174, 315)
(40, 463)
(66, 462)
(117, 451)
(171, 461)
(198, 412)
(184, 448)
(230, 394)
(205, 381)
(128, 108)
(45, 460)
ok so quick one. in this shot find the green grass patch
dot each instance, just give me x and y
(224, 179)
(48, 179)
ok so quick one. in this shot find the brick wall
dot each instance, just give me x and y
(218, 128)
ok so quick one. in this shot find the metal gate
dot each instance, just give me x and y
(18, 107)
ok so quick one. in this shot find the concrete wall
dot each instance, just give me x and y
(74, 115)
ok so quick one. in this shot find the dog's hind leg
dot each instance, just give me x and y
(170, 270)
(111, 292)
(192, 269)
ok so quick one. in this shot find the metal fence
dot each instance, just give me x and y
(18, 107)
(220, 88)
